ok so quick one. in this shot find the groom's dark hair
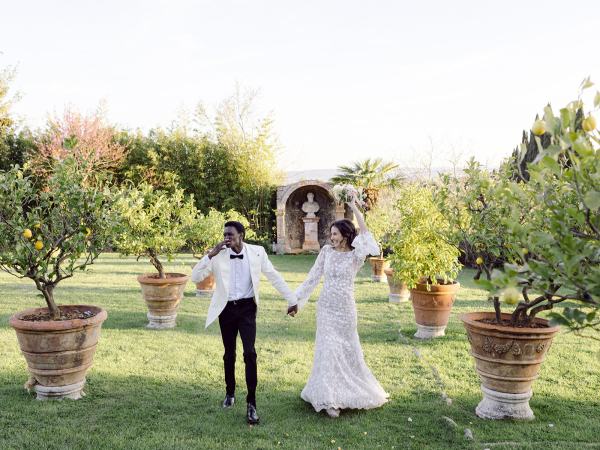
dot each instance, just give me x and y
(237, 225)
(347, 229)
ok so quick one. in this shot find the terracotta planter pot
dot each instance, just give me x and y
(58, 352)
(399, 293)
(206, 287)
(508, 360)
(378, 265)
(432, 308)
(162, 298)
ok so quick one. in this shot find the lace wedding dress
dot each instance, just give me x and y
(339, 378)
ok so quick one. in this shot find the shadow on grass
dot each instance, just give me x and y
(145, 412)
(157, 412)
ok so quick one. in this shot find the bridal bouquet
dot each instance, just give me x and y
(343, 193)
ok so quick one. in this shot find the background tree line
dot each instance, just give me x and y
(226, 160)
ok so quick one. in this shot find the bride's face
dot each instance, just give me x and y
(337, 240)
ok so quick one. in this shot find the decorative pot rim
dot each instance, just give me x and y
(445, 288)
(150, 278)
(56, 325)
(471, 320)
(377, 258)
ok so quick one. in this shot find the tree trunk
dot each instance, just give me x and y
(48, 292)
(497, 310)
(158, 266)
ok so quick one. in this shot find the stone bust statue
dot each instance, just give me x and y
(310, 207)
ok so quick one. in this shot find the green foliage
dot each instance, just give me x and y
(207, 230)
(15, 147)
(234, 168)
(382, 219)
(69, 218)
(153, 223)
(422, 248)
(476, 207)
(562, 233)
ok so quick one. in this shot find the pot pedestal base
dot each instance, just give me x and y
(161, 322)
(427, 332)
(399, 298)
(72, 391)
(378, 278)
(500, 405)
(204, 292)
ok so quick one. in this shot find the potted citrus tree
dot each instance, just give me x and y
(206, 232)
(559, 262)
(47, 234)
(382, 222)
(424, 258)
(475, 207)
(153, 224)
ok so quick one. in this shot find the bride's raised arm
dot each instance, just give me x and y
(364, 244)
(359, 216)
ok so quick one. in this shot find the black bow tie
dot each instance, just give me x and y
(236, 256)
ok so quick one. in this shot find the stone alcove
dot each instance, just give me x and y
(290, 227)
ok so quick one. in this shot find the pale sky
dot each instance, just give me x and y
(344, 80)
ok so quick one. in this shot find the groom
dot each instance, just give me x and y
(237, 267)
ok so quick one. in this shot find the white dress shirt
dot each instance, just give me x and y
(240, 281)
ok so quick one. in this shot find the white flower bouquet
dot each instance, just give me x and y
(344, 193)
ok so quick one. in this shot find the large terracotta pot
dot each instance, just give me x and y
(162, 298)
(508, 360)
(378, 265)
(399, 293)
(432, 308)
(58, 352)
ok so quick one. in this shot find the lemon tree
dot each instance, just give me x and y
(153, 223)
(48, 233)
(476, 207)
(560, 241)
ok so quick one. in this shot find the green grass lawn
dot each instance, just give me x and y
(162, 389)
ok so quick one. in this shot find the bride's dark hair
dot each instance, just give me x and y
(347, 229)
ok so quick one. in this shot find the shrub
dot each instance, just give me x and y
(207, 230)
(422, 248)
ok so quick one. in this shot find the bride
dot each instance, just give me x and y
(340, 379)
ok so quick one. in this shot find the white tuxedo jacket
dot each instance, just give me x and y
(219, 266)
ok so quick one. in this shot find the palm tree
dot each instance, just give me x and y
(372, 175)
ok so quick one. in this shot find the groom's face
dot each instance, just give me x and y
(232, 237)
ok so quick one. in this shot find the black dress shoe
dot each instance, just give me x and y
(229, 401)
(252, 415)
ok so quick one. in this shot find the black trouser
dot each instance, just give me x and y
(240, 316)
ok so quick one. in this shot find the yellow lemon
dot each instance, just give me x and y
(37, 225)
(27, 234)
(589, 123)
(88, 232)
(38, 245)
(525, 251)
(539, 127)
(511, 296)
(479, 260)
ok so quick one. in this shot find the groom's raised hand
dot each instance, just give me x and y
(217, 249)
(292, 310)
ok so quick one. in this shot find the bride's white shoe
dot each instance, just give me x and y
(333, 412)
